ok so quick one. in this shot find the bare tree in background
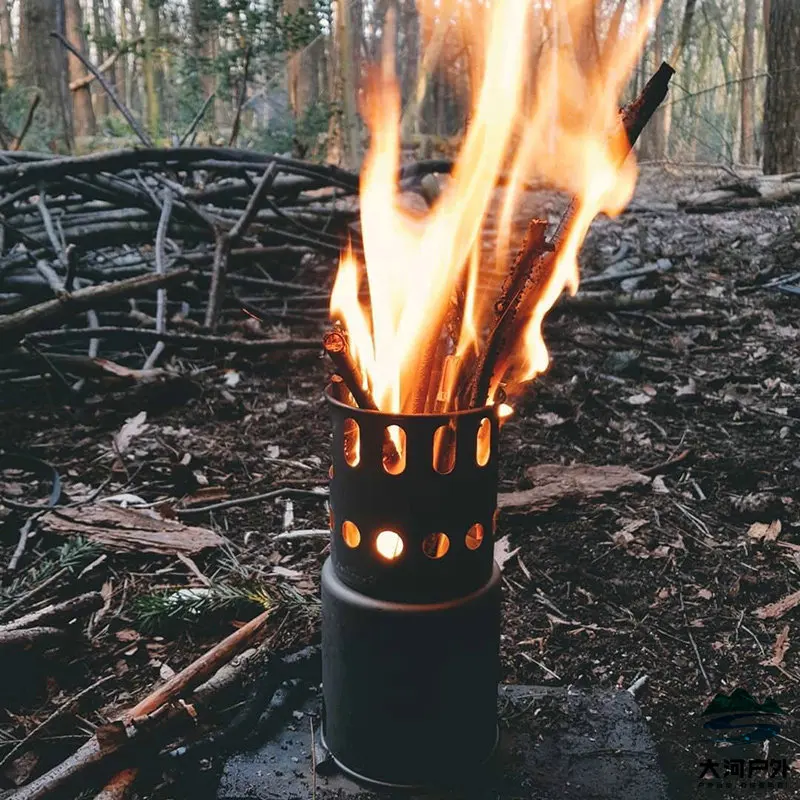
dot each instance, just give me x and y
(747, 150)
(42, 62)
(5, 42)
(83, 121)
(151, 42)
(782, 110)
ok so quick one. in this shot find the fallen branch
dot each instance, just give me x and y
(763, 190)
(59, 712)
(57, 612)
(92, 752)
(161, 269)
(256, 498)
(227, 240)
(14, 326)
(198, 340)
(28, 638)
(120, 786)
(610, 300)
(554, 484)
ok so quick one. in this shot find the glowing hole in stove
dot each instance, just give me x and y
(474, 536)
(435, 545)
(351, 534)
(389, 545)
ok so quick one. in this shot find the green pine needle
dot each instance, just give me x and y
(73, 556)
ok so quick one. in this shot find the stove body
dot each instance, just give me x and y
(411, 596)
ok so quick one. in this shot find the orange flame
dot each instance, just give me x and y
(557, 123)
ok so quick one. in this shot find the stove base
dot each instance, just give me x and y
(555, 744)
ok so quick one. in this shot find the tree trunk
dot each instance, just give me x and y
(123, 68)
(343, 135)
(301, 60)
(5, 43)
(658, 143)
(43, 64)
(408, 64)
(675, 57)
(782, 110)
(110, 28)
(200, 48)
(747, 150)
(151, 37)
(99, 35)
(83, 121)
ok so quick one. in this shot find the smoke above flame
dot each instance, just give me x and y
(546, 80)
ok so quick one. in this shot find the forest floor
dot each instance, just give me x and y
(663, 582)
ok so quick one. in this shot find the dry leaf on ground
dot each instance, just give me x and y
(765, 532)
(132, 428)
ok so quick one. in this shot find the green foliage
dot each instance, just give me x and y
(156, 611)
(234, 588)
(14, 104)
(73, 556)
(281, 138)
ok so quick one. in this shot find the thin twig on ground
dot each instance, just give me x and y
(692, 641)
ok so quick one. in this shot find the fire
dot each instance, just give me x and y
(545, 90)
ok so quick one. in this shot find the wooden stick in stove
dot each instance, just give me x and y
(335, 344)
(346, 387)
(533, 269)
(340, 391)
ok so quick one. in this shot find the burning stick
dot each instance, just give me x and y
(533, 246)
(335, 344)
(340, 391)
(537, 267)
(346, 387)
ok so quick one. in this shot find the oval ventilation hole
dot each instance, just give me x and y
(330, 472)
(444, 448)
(389, 545)
(394, 450)
(474, 536)
(352, 443)
(483, 448)
(351, 534)
(435, 545)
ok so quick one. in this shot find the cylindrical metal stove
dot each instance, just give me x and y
(411, 596)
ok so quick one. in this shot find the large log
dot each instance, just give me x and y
(764, 190)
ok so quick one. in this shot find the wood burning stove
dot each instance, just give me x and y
(411, 595)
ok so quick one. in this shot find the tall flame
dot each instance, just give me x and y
(545, 93)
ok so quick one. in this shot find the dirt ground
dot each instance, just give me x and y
(663, 582)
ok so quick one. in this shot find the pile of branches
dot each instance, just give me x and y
(127, 253)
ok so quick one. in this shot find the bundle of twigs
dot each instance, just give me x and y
(523, 286)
